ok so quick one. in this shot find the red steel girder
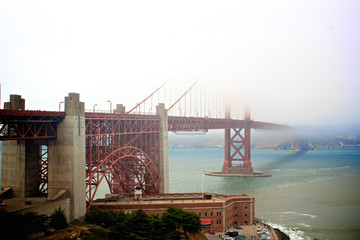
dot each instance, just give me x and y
(25, 124)
(43, 168)
(27, 130)
(30, 115)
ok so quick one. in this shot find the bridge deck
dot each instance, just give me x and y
(26, 124)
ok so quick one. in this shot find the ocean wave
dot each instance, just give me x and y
(285, 185)
(294, 234)
(300, 214)
(333, 168)
(305, 225)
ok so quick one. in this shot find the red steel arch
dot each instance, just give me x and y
(123, 169)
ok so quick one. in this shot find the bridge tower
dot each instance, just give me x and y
(237, 147)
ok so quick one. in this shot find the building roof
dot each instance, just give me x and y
(170, 198)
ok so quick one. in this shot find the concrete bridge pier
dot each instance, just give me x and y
(66, 171)
(13, 164)
(164, 148)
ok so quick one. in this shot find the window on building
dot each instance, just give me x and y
(235, 215)
(235, 207)
(220, 213)
(245, 207)
(205, 214)
(220, 221)
(245, 215)
(217, 213)
(211, 213)
(199, 214)
(217, 221)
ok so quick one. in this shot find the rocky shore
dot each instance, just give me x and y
(281, 235)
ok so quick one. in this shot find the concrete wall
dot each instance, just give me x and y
(31, 168)
(13, 167)
(67, 157)
(50, 207)
(164, 148)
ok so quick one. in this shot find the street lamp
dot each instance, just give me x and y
(94, 107)
(60, 106)
(110, 105)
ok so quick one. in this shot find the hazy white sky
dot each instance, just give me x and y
(298, 60)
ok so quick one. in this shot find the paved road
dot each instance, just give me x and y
(247, 231)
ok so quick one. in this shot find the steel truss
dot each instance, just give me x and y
(43, 168)
(21, 124)
(125, 150)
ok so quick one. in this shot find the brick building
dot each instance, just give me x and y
(221, 211)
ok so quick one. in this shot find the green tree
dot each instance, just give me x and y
(105, 219)
(180, 222)
(58, 219)
(190, 223)
(160, 229)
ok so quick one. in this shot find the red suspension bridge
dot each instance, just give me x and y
(61, 150)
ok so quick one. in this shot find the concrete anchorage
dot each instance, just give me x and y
(66, 163)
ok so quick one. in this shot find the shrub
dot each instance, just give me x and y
(58, 219)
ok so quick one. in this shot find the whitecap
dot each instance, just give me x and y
(305, 225)
(300, 214)
(294, 234)
(285, 185)
(307, 215)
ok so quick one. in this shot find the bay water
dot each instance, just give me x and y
(310, 195)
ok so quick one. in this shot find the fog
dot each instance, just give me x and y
(297, 62)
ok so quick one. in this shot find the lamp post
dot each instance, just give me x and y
(60, 106)
(110, 105)
(94, 107)
(202, 184)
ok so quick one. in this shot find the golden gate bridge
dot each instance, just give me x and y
(76, 149)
